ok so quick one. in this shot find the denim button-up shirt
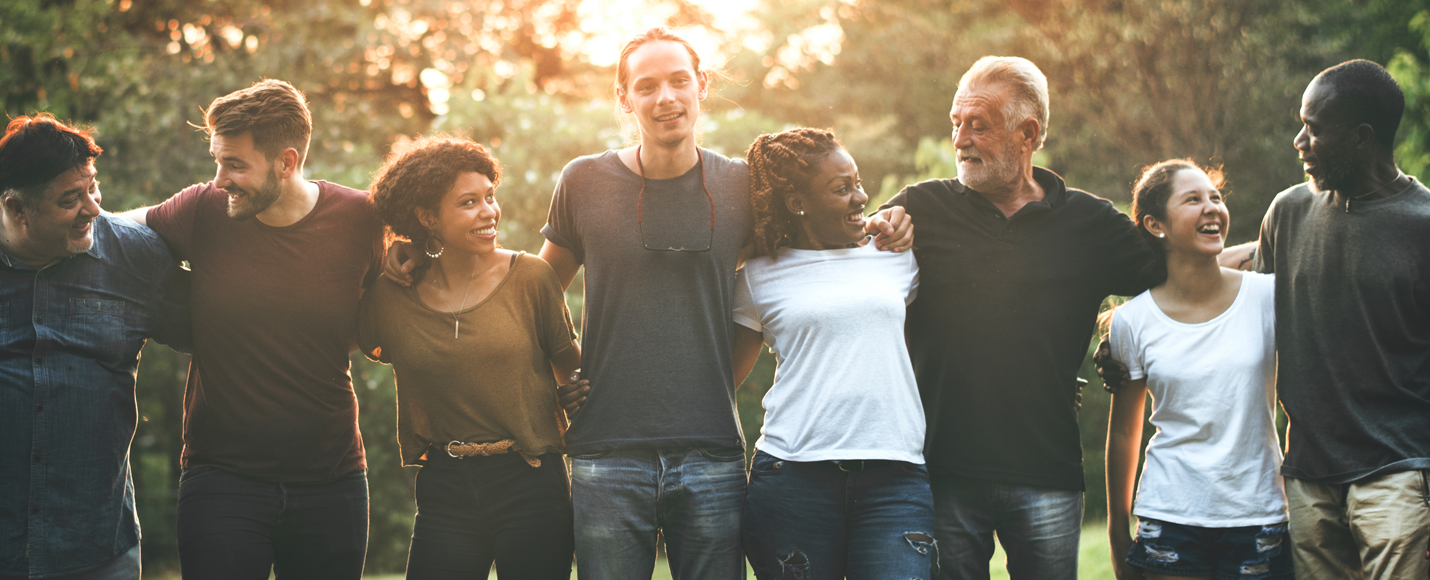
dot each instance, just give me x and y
(70, 336)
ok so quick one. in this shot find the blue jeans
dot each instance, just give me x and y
(232, 527)
(1240, 553)
(1039, 528)
(692, 497)
(475, 511)
(826, 520)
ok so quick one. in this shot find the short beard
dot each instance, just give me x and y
(258, 199)
(997, 175)
(1336, 175)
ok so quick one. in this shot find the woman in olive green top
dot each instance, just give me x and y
(476, 344)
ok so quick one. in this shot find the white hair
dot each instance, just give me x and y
(1028, 94)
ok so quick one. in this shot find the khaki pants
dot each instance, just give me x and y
(1375, 529)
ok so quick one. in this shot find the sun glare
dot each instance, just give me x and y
(610, 23)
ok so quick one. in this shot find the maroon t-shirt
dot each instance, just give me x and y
(275, 315)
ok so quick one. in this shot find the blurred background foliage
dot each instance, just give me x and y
(1132, 82)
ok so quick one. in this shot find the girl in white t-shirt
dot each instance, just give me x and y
(837, 486)
(1202, 343)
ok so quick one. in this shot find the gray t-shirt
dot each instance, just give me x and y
(1352, 330)
(656, 325)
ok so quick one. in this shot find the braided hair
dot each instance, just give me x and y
(782, 164)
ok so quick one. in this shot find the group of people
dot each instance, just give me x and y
(924, 400)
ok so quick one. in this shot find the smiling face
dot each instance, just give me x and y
(62, 223)
(245, 174)
(1325, 143)
(989, 156)
(833, 206)
(1197, 218)
(664, 92)
(467, 215)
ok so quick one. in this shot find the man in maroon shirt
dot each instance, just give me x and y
(273, 468)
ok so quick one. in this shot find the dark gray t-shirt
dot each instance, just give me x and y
(1352, 331)
(656, 325)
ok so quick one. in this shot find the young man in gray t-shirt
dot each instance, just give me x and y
(657, 447)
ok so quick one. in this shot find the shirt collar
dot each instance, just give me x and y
(1055, 191)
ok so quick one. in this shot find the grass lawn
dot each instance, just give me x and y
(1093, 561)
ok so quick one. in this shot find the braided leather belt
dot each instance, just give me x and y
(462, 450)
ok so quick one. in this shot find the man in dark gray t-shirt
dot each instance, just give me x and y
(1351, 254)
(657, 324)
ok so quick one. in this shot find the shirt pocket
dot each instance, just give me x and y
(101, 327)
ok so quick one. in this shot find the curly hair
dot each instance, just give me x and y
(418, 175)
(782, 164)
(1149, 198)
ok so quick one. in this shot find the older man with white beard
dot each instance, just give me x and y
(1013, 268)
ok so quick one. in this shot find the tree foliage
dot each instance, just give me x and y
(1131, 82)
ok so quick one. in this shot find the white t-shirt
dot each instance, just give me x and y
(1214, 461)
(844, 388)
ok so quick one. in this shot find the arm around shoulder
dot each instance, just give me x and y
(137, 215)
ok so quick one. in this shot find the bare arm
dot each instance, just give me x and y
(137, 215)
(746, 351)
(1124, 444)
(1241, 257)
(562, 261)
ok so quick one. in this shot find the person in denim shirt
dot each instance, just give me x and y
(80, 292)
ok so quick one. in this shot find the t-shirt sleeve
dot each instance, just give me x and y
(560, 226)
(1265, 259)
(369, 335)
(558, 333)
(1124, 345)
(174, 220)
(746, 313)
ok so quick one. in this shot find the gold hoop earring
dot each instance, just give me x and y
(427, 247)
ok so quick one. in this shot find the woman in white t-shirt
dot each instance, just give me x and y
(837, 486)
(1202, 343)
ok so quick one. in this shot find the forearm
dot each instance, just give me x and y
(1242, 257)
(566, 363)
(139, 215)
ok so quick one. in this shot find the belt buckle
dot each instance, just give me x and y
(448, 449)
(842, 464)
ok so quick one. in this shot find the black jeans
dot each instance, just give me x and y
(476, 510)
(232, 527)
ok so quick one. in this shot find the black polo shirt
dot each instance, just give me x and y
(1005, 312)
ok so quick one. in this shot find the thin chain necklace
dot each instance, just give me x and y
(456, 312)
(1398, 174)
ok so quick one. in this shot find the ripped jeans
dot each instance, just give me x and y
(825, 519)
(1241, 553)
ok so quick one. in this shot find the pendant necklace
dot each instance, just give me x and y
(456, 313)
